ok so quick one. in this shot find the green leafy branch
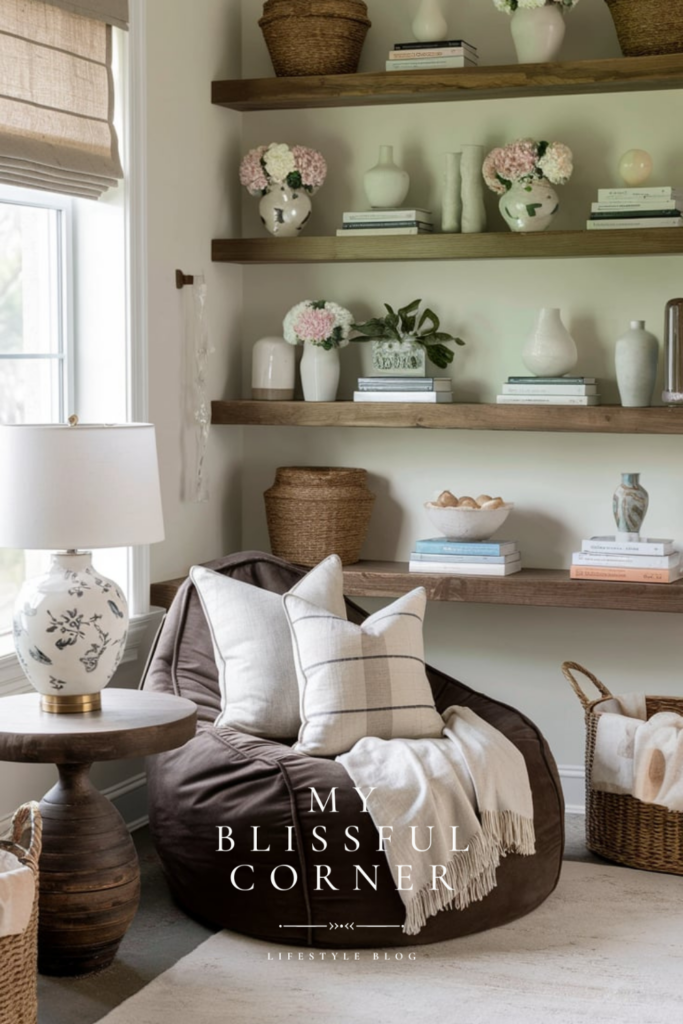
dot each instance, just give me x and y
(408, 324)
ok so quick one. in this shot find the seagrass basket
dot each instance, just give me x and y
(19, 953)
(648, 27)
(620, 827)
(315, 37)
(313, 513)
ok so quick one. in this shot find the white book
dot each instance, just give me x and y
(644, 192)
(435, 64)
(627, 561)
(448, 51)
(465, 568)
(539, 390)
(636, 205)
(548, 399)
(363, 216)
(403, 396)
(371, 232)
(612, 546)
(634, 222)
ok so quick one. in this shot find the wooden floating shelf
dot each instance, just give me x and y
(598, 419)
(486, 246)
(622, 74)
(538, 588)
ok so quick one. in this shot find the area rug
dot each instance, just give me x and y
(606, 947)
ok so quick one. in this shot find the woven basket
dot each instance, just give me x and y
(619, 827)
(648, 27)
(313, 513)
(315, 37)
(19, 953)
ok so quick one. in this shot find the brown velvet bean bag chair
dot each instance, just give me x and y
(224, 777)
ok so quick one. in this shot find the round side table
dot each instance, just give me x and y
(89, 871)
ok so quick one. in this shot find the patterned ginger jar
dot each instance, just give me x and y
(529, 206)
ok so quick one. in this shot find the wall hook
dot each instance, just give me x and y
(182, 279)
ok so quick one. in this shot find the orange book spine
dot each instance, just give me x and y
(598, 572)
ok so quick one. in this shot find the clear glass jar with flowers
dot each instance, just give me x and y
(537, 27)
(285, 177)
(322, 328)
(523, 174)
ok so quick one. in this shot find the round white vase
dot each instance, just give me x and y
(550, 350)
(273, 370)
(529, 206)
(70, 628)
(285, 211)
(429, 25)
(320, 370)
(386, 184)
(537, 33)
(636, 357)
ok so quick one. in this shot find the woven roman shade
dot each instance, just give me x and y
(57, 96)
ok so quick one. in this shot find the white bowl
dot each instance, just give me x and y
(468, 524)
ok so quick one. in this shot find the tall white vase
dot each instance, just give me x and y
(550, 350)
(320, 373)
(636, 358)
(429, 25)
(473, 210)
(386, 184)
(537, 33)
(451, 206)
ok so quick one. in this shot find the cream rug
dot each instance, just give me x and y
(606, 948)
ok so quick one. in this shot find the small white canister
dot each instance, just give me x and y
(273, 370)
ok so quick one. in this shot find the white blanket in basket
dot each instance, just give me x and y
(17, 892)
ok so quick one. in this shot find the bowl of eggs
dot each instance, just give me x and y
(467, 519)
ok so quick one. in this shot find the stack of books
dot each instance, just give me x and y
(550, 391)
(460, 558)
(637, 208)
(387, 222)
(404, 389)
(643, 561)
(451, 53)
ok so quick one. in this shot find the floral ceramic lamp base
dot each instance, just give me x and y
(70, 628)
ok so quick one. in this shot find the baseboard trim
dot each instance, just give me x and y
(573, 778)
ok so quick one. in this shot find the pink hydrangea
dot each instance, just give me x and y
(311, 166)
(518, 160)
(489, 172)
(314, 325)
(252, 175)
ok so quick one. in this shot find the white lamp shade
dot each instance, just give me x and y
(85, 486)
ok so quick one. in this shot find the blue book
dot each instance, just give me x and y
(444, 546)
(433, 557)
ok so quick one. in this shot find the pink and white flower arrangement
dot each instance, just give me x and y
(527, 161)
(510, 6)
(318, 323)
(278, 164)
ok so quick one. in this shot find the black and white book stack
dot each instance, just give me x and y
(656, 207)
(404, 389)
(550, 391)
(386, 222)
(449, 53)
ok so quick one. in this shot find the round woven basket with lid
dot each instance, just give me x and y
(315, 37)
(313, 513)
(648, 27)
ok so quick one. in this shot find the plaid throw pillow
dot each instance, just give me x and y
(358, 681)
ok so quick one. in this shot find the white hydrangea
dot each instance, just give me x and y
(530, 5)
(279, 161)
(506, 6)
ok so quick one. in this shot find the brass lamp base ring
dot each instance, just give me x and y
(64, 704)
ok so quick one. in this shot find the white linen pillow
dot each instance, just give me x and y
(253, 648)
(358, 681)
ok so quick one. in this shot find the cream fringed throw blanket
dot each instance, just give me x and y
(467, 794)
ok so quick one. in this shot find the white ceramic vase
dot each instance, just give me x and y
(285, 211)
(550, 350)
(451, 206)
(529, 207)
(473, 218)
(636, 357)
(320, 373)
(537, 33)
(429, 25)
(273, 370)
(386, 184)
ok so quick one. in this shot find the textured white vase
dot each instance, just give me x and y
(429, 25)
(550, 350)
(636, 357)
(451, 206)
(320, 373)
(386, 184)
(529, 206)
(537, 33)
(473, 219)
(273, 370)
(285, 211)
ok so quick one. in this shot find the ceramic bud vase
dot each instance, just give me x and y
(529, 206)
(451, 206)
(636, 358)
(273, 370)
(320, 373)
(386, 184)
(537, 33)
(630, 506)
(429, 25)
(473, 209)
(550, 350)
(285, 211)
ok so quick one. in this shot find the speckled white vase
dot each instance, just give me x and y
(550, 350)
(537, 33)
(635, 358)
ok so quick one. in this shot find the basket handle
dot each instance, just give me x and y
(26, 817)
(572, 666)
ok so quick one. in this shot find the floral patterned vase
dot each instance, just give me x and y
(285, 211)
(529, 206)
(398, 358)
(630, 504)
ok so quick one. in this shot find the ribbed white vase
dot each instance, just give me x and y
(320, 371)
(537, 33)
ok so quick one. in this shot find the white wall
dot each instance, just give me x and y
(561, 484)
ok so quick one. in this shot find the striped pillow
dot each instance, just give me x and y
(358, 681)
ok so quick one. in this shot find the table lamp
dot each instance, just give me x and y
(68, 489)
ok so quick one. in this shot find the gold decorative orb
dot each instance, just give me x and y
(635, 167)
